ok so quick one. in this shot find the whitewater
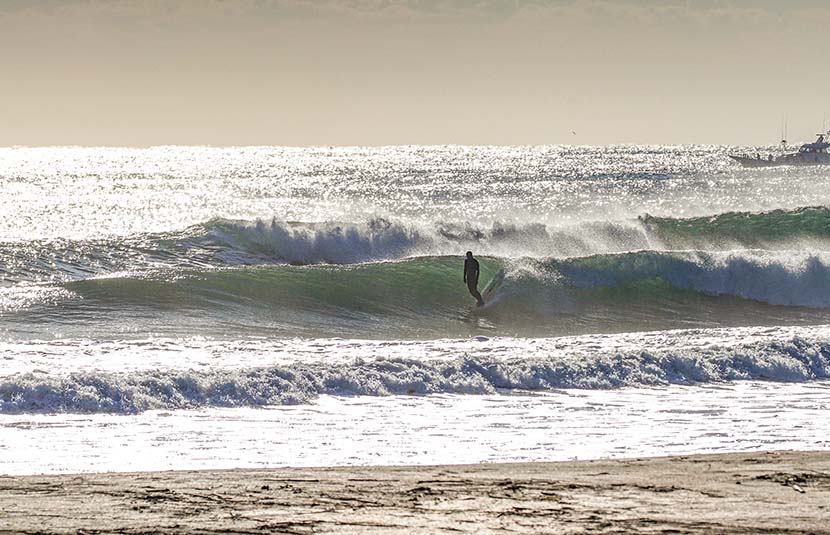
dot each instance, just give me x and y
(200, 307)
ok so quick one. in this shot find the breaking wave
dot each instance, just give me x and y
(771, 229)
(223, 243)
(424, 297)
(430, 282)
(795, 360)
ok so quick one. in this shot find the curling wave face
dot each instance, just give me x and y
(424, 297)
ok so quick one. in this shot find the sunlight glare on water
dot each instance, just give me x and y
(83, 193)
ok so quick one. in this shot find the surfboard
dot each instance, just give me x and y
(492, 287)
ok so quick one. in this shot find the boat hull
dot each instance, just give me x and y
(799, 159)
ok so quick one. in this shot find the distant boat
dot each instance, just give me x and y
(808, 154)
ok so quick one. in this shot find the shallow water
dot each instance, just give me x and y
(437, 429)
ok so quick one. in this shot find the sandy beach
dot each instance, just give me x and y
(759, 492)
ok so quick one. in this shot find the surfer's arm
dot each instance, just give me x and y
(465, 271)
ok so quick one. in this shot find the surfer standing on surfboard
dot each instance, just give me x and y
(471, 277)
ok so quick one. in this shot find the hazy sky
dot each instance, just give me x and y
(378, 72)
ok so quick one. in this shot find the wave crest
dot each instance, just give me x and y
(223, 243)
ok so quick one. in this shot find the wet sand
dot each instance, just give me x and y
(772, 492)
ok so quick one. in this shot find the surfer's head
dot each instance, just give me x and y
(469, 254)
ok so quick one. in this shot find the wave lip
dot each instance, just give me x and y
(329, 243)
(380, 239)
(795, 360)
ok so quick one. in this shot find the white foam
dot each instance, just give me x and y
(405, 368)
(381, 239)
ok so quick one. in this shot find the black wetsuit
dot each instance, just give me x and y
(471, 278)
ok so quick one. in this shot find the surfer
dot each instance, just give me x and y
(471, 277)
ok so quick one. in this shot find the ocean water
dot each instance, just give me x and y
(194, 307)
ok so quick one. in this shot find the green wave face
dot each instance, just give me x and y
(423, 297)
(426, 298)
(746, 229)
